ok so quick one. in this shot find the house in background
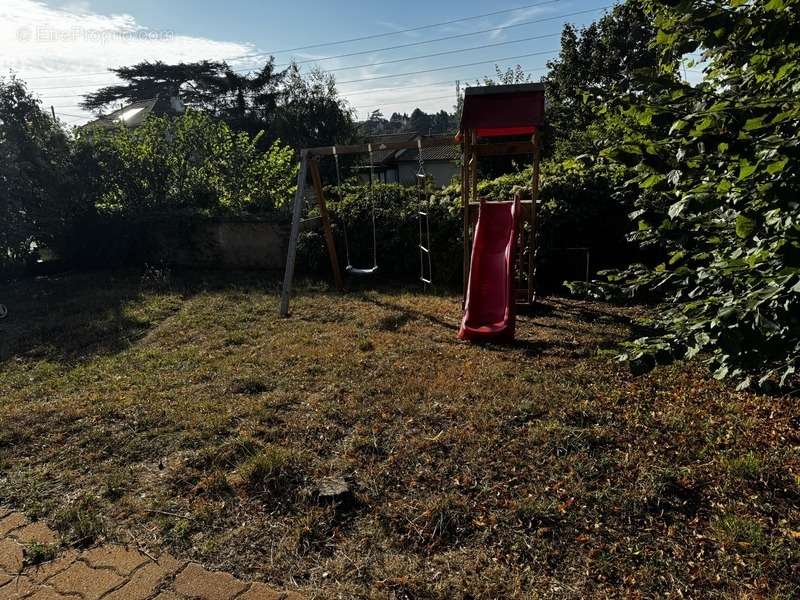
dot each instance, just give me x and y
(133, 115)
(401, 166)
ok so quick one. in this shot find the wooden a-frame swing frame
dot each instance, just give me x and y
(472, 151)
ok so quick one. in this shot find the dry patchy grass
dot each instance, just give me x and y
(189, 415)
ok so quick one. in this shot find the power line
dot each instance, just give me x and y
(444, 53)
(529, 71)
(452, 80)
(392, 33)
(430, 84)
(482, 62)
(356, 93)
(449, 37)
(433, 70)
(380, 63)
(399, 102)
(363, 38)
(502, 28)
(248, 69)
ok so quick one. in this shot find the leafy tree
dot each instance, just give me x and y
(398, 122)
(720, 165)
(246, 102)
(193, 163)
(311, 112)
(376, 124)
(420, 122)
(442, 122)
(147, 80)
(601, 58)
(509, 76)
(36, 199)
(302, 110)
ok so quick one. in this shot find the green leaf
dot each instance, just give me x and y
(678, 125)
(676, 257)
(746, 169)
(777, 166)
(645, 117)
(651, 181)
(784, 70)
(701, 127)
(755, 123)
(745, 226)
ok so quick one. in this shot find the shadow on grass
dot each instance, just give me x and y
(408, 314)
(70, 316)
(76, 316)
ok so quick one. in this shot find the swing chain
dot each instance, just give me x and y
(421, 170)
(423, 215)
(339, 194)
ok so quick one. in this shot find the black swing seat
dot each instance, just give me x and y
(354, 271)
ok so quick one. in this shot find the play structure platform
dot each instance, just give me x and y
(500, 246)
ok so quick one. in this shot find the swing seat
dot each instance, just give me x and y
(354, 271)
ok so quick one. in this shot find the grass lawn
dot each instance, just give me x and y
(186, 414)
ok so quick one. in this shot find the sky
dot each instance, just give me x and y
(64, 48)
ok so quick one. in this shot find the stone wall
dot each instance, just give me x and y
(235, 244)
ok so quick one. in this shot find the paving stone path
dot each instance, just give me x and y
(109, 572)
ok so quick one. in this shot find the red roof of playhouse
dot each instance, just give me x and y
(499, 110)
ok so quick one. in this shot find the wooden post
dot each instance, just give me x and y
(465, 210)
(474, 161)
(533, 251)
(291, 254)
(326, 224)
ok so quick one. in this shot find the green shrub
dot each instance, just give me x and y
(37, 199)
(192, 162)
(719, 163)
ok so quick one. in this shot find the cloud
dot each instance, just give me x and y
(400, 29)
(64, 49)
(63, 52)
(519, 17)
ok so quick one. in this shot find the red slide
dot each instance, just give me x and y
(489, 309)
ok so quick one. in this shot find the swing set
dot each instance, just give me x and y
(499, 236)
(309, 163)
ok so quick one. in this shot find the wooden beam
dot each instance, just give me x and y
(427, 142)
(466, 214)
(326, 224)
(533, 242)
(525, 203)
(291, 253)
(474, 165)
(503, 149)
